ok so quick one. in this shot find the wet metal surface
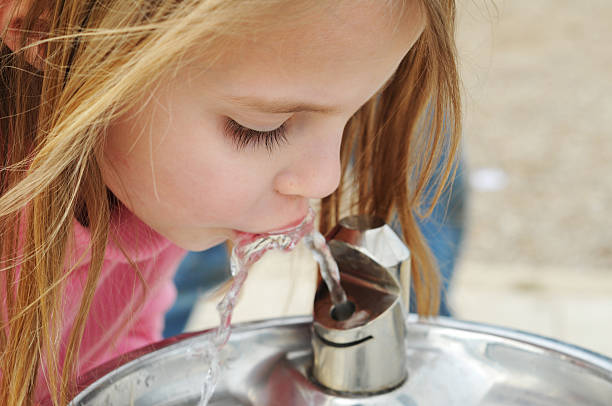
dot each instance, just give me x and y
(449, 363)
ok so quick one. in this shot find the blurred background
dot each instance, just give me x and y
(537, 252)
(538, 121)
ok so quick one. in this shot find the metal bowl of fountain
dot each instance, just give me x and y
(371, 355)
(449, 362)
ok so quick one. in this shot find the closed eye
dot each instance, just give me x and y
(244, 137)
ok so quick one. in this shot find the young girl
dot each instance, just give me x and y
(133, 130)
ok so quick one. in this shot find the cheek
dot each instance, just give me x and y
(201, 172)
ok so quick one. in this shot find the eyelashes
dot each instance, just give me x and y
(246, 137)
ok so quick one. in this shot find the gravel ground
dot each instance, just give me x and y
(538, 122)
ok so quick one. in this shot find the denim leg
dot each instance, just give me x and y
(444, 231)
(444, 241)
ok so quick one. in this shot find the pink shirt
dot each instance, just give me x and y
(117, 323)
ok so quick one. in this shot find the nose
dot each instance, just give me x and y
(314, 171)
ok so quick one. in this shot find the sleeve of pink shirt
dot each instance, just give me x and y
(128, 307)
(149, 324)
(119, 320)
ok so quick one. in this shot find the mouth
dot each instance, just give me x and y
(287, 227)
(308, 217)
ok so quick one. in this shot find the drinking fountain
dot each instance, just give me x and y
(366, 351)
(355, 347)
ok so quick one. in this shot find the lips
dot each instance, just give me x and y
(288, 226)
(275, 230)
(302, 209)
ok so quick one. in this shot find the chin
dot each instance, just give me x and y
(195, 243)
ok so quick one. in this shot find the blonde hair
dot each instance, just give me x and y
(100, 59)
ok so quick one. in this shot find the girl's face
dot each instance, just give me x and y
(181, 162)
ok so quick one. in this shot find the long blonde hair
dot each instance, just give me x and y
(100, 58)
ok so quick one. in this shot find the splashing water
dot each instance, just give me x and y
(327, 265)
(248, 249)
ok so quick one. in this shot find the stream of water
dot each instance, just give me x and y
(248, 249)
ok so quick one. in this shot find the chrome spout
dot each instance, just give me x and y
(363, 351)
(374, 238)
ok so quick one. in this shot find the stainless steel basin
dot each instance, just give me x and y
(449, 362)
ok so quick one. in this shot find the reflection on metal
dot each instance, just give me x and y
(451, 363)
(359, 355)
(378, 241)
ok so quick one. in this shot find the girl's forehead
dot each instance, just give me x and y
(352, 32)
(346, 45)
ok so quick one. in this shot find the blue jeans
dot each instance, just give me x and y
(443, 230)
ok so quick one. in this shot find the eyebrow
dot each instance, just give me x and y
(284, 106)
(279, 106)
